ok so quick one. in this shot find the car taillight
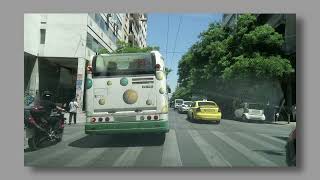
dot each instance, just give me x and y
(157, 66)
(93, 120)
(219, 110)
(246, 110)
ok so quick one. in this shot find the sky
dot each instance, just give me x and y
(179, 39)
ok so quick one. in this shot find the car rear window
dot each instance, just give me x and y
(179, 101)
(255, 106)
(187, 103)
(207, 104)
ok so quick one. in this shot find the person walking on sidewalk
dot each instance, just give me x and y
(73, 105)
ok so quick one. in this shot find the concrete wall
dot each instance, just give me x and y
(31, 33)
(65, 35)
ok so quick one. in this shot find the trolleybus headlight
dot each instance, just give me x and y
(149, 117)
(155, 117)
(100, 119)
(107, 119)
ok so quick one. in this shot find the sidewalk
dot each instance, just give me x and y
(81, 117)
(284, 123)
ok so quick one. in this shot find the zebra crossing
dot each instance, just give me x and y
(207, 148)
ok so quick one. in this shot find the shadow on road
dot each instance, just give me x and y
(255, 121)
(132, 140)
(43, 145)
(270, 152)
(282, 138)
(200, 122)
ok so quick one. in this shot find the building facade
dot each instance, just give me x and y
(57, 46)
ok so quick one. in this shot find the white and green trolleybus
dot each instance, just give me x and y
(126, 93)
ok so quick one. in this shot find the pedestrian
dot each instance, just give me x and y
(73, 105)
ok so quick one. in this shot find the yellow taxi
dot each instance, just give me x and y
(205, 110)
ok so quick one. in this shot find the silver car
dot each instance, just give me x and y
(185, 106)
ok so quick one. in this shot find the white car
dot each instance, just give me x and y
(250, 111)
(185, 106)
(177, 103)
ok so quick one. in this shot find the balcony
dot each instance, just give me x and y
(135, 16)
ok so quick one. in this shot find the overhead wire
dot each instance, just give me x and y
(167, 38)
(175, 42)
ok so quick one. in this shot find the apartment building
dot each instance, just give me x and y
(56, 47)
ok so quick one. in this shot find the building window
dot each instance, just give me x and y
(42, 36)
(93, 44)
(98, 19)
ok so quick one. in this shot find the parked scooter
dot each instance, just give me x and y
(39, 129)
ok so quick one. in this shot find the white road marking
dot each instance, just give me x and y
(128, 158)
(212, 155)
(170, 154)
(249, 154)
(264, 144)
(273, 138)
(86, 157)
(51, 155)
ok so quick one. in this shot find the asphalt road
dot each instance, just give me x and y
(188, 144)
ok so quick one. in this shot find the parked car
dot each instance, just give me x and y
(250, 111)
(177, 103)
(205, 110)
(185, 106)
(291, 149)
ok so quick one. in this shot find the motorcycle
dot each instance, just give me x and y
(39, 130)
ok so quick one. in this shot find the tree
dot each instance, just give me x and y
(168, 70)
(182, 93)
(103, 51)
(234, 61)
(124, 47)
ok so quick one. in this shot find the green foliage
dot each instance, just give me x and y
(167, 71)
(103, 51)
(127, 48)
(249, 52)
(262, 39)
(123, 47)
(182, 93)
(259, 67)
